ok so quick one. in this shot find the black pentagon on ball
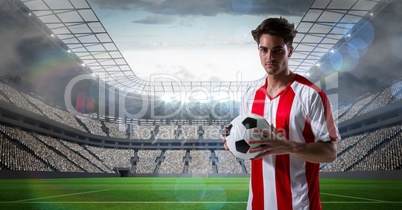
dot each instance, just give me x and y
(249, 123)
(242, 146)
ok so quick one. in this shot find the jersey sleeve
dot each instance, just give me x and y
(321, 118)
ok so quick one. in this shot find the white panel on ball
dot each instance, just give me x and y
(240, 130)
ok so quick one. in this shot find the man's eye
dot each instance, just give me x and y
(264, 50)
(277, 50)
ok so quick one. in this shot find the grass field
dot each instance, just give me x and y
(182, 193)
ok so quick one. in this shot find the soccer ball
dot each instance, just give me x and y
(240, 130)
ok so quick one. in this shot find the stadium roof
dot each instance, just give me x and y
(76, 24)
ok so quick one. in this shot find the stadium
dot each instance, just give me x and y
(81, 127)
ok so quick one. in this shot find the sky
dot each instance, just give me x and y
(192, 40)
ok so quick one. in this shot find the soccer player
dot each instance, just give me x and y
(285, 173)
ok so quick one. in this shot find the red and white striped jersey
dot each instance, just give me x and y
(302, 113)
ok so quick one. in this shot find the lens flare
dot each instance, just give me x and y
(327, 68)
(367, 32)
(343, 62)
(336, 60)
(396, 89)
(357, 48)
(49, 66)
(217, 192)
(349, 63)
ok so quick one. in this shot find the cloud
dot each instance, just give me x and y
(184, 74)
(156, 19)
(15, 28)
(378, 68)
(30, 59)
(210, 7)
(352, 85)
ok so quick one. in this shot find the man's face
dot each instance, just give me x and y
(274, 54)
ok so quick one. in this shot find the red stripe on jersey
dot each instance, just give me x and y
(327, 108)
(312, 170)
(282, 163)
(257, 182)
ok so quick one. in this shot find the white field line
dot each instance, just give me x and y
(181, 202)
(57, 196)
(35, 200)
(352, 202)
(346, 196)
(128, 202)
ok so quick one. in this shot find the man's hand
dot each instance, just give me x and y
(272, 142)
(224, 133)
(276, 144)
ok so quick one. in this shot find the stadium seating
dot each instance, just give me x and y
(200, 162)
(147, 161)
(172, 162)
(359, 151)
(23, 150)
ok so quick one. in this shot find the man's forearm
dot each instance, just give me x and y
(317, 152)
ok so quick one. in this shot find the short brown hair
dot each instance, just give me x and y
(277, 27)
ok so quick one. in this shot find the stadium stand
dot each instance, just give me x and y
(359, 152)
(189, 132)
(17, 99)
(200, 162)
(116, 130)
(357, 107)
(147, 161)
(211, 131)
(165, 132)
(88, 155)
(113, 157)
(94, 126)
(382, 99)
(16, 156)
(27, 150)
(370, 102)
(227, 164)
(142, 132)
(172, 162)
(50, 155)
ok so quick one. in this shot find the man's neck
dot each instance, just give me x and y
(276, 83)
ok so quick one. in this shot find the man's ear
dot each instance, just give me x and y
(290, 51)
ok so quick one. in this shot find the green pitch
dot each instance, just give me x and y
(181, 193)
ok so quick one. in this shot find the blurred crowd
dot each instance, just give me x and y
(28, 151)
